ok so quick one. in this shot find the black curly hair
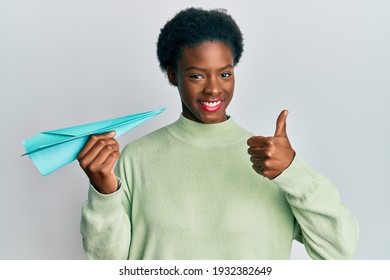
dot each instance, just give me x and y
(193, 26)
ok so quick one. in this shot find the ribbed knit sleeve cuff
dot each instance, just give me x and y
(105, 202)
(297, 179)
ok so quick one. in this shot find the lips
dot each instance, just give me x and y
(210, 105)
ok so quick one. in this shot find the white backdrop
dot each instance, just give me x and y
(68, 62)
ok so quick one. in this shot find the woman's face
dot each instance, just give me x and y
(204, 77)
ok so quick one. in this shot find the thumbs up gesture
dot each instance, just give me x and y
(273, 154)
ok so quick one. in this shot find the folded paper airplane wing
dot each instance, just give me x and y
(51, 150)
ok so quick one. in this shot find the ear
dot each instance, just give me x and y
(171, 76)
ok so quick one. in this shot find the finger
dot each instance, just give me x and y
(256, 160)
(259, 141)
(97, 165)
(255, 151)
(97, 147)
(105, 152)
(104, 163)
(281, 124)
(261, 152)
(99, 153)
(254, 141)
(258, 169)
(108, 165)
(264, 171)
(92, 141)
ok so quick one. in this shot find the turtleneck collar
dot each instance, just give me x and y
(208, 135)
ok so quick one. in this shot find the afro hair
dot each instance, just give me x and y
(193, 26)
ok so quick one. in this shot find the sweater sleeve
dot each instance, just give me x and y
(325, 226)
(105, 224)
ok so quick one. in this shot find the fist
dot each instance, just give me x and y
(273, 154)
(97, 159)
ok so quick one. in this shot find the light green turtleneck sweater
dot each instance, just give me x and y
(188, 191)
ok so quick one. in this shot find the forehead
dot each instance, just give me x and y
(210, 52)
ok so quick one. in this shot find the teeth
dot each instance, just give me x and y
(212, 104)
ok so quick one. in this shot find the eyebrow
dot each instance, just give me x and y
(204, 70)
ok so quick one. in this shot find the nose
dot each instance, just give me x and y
(213, 86)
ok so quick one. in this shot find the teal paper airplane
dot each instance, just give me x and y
(51, 150)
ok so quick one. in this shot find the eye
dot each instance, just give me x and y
(196, 76)
(225, 75)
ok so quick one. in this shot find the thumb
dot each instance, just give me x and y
(281, 124)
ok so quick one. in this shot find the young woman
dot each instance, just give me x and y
(188, 190)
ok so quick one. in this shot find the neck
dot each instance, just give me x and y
(207, 135)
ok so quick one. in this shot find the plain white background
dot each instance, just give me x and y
(70, 62)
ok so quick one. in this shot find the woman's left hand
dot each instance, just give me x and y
(272, 155)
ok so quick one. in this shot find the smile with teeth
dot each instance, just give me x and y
(210, 106)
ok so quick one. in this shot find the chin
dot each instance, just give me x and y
(212, 119)
(206, 117)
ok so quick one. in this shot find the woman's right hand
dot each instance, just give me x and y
(97, 159)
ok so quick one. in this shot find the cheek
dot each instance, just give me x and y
(189, 91)
(230, 93)
(232, 84)
(230, 89)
